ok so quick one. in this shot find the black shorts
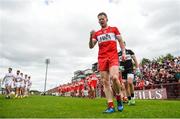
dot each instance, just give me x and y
(125, 73)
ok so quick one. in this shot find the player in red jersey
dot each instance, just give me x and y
(93, 85)
(108, 61)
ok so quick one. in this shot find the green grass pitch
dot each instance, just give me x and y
(67, 107)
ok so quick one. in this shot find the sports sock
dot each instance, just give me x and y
(110, 104)
(118, 97)
(132, 95)
(129, 97)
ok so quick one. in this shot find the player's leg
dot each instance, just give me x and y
(123, 89)
(128, 90)
(89, 91)
(20, 89)
(124, 97)
(80, 93)
(7, 91)
(131, 88)
(16, 92)
(127, 87)
(104, 74)
(24, 91)
(114, 76)
(94, 89)
(107, 91)
(28, 91)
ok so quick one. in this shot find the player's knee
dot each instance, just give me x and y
(114, 77)
(130, 81)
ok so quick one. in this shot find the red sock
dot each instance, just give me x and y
(118, 97)
(111, 104)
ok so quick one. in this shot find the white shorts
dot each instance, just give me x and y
(85, 92)
(130, 76)
(17, 84)
(22, 85)
(8, 83)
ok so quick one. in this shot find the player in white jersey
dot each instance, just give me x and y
(29, 83)
(22, 85)
(8, 81)
(18, 80)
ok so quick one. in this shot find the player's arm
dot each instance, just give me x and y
(122, 46)
(135, 61)
(14, 78)
(92, 41)
(30, 83)
(3, 80)
(136, 64)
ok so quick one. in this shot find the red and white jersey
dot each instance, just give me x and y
(67, 88)
(89, 81)
(76, 86)
(107, 41)
(94, 77)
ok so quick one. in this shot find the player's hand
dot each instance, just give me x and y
(138, 72)
(92, 33)
(121, 68)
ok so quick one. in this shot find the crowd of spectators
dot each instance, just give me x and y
(159, 72)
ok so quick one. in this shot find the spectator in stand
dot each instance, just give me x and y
(161, 72)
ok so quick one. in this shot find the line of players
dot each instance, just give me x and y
(83, 88)
(128, 69)
(19, 83)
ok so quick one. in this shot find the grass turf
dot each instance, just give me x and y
(67, 107)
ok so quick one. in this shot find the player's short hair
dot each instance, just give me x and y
(102, 13)
(18, 71)
(21, 73)
(10, 68)
(29, 76)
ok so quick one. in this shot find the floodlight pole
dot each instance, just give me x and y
(47, 61)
